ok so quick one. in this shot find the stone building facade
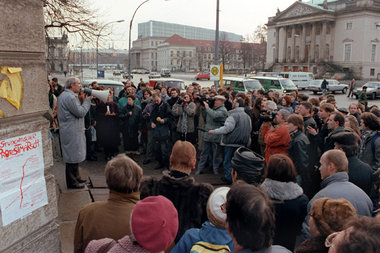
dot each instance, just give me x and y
(57, 54)
(325, 37)
(23, 46)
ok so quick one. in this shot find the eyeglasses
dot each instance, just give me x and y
(329, 239)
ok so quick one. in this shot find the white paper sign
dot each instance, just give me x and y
(22, 181)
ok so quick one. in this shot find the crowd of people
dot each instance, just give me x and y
(299, 167)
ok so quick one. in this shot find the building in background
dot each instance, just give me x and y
(178, 47)
(326, 37)
(57, 54)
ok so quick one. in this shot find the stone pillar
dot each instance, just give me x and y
(303, 43)
(277, 45)
(322, 47)
(285, 45)
(293, 52)
(22, 44)
(312, 45)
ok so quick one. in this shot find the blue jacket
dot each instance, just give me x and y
(207, 233)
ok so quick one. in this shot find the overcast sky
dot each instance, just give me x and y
(237, 16)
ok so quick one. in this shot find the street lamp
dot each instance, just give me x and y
(129, 46)
(97, 42)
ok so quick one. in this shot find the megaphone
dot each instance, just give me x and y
(101, 94)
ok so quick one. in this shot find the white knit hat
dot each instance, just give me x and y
(214, 211)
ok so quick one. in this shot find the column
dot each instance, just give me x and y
(312, 44)
(277, 45)
(322, 47)
(303, 43)
(285, 49)
(293, 52)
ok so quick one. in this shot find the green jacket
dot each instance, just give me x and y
(362, 96)
(214, 118)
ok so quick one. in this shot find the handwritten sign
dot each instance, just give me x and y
(22, 181)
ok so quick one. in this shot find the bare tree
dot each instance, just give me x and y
(246, 53)
(260, 34)
(72, 16)
(225, 49)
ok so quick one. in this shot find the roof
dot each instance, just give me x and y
(178, 40)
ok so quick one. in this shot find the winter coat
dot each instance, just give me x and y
(189, 198)
(236, 130)
(276, 141)
(107, 126)
(329, 143)
(131, 119)
(71, 115)
(290, 208)
(214, 118)
(103, 219)
(366, 154)
(207, 233)
(270, 249)
(360, 174)
(163, 111)
(299, 150)
(124, 245)
(147, 114)
(337, 186)
(186, 113)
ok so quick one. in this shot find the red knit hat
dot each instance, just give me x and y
(154, 223)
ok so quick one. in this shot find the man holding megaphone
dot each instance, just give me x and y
(71, 112)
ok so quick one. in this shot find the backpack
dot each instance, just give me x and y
(373, 143)
(205, 247)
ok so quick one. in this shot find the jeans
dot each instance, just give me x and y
(228, 154)
(210, 148)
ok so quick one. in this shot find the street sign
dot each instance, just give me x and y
(100, 74)
(214, 72)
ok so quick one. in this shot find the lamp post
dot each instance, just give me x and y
(97, 42)
(129, 44)
(216, 61)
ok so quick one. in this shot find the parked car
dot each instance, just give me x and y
(332, 86)
(203, 75)
(165, 72)
(154, 75)
(117, 72)
(373, 90)
(168, 82)
(116, 85)
(125, 76)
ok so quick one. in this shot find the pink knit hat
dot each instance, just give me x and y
(154, 223)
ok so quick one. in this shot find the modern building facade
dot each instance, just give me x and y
(147, 48)
(326, 37)
(162, 29)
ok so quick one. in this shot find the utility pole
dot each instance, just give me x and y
(216, 60)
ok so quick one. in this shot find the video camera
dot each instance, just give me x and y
(202, 99)
(267, 116)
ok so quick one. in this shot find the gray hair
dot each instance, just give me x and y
(284, 114)
(271, 105)
(70, 81)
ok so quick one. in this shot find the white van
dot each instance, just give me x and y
(282, 85)
(301, 79)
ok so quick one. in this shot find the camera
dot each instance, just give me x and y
(267, 116)
(202, 99)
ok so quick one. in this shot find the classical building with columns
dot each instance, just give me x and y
(326, 37)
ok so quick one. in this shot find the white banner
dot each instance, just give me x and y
(22, 181)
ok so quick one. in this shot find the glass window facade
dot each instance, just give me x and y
(163, 29)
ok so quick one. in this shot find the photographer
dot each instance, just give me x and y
(214, 118)
(185, 110)
(275, 133)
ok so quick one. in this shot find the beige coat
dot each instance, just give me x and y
(105, 219)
